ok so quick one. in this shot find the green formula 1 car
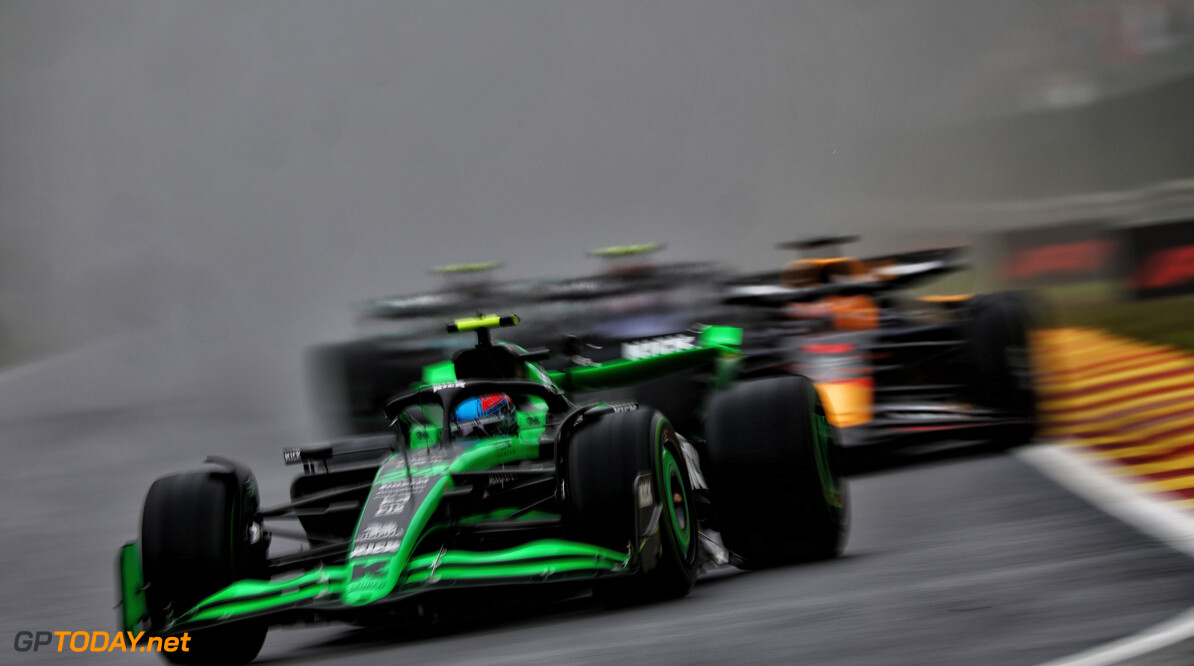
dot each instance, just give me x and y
(496, 478)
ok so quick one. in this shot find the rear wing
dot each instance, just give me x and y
(808, 245)
(642, 360)
(907, 269)
(652, 358)
(880, 274)
(777, 296)
(466, 287)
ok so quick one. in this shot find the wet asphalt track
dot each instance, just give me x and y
(972, 559)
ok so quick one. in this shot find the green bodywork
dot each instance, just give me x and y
(625, 250)
(478, 267)
(388, 570)
(537, 559)
(718, 344)
(131, 586)
(369, 579)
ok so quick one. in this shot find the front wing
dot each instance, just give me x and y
(321, 590)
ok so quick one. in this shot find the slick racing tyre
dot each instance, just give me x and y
(195, 540)
(604, 458)
(774, 467)
(997, 358)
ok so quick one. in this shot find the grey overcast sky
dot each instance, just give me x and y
(237, 173)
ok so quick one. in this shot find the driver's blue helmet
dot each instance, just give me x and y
(485, 416)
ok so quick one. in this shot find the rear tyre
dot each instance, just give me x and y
(775, 473)
(998, 362)
(194, 542)
(604, 459)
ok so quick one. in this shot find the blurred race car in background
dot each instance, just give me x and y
(896, 369)
(631, 308)
(396, 336)
(494, 477)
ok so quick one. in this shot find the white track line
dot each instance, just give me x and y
(1169, 632)
(1150, 515)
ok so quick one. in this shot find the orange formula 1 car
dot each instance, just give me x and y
(895, 369)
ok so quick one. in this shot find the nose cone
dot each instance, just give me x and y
(370, 580)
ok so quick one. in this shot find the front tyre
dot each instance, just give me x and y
(604, 458)
(195, 540)
(775, 473)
